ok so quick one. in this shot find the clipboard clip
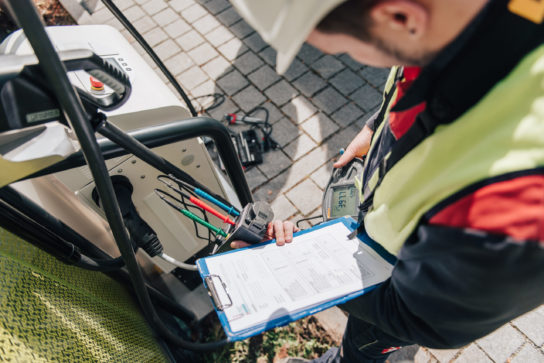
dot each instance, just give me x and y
(217, 290)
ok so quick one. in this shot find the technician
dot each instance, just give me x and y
(454, 175)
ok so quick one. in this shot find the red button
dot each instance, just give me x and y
(96, 85)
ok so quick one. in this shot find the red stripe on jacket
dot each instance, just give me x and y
(514, 207)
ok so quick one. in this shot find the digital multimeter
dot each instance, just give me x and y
(341, 197)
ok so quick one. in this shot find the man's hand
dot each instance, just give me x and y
(282, 231)
(357, 147)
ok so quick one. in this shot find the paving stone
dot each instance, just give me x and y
(167, 49)
(232, 82)
(144, 24)
(194, 12)
(269, 56)
(216, 6)
(254, 177)
(281, 92)
(296, 68)
(203, 53)
(228, 17)
(347, 81)
(241, 29)
(299, 147)
(302, 224)
(327, 66)
(248, 62)
(255, 42)
(366, 97)
(309, 84)
(155, 36)
(232, 49)
(226, 107)
(274, 162)
(204, 93)
(472, 354)
(532, 325)
(118, 26)
(282, 208)
(528, 354)
(299, 109)
(124, 4)
(424, 356)
(321, 176)
(305, 166)
(219, 36)
(202, 96)
(274, 113)
(284, 132)
(319, 127)
(375, 76)
(306, 196)
(166, 17)
(177, 28)
(329, 100)
(190, 40)
(134, 13)
(309, 54)
(191, 78)
(206, 24)
(101, 16)
(153, 7)
(350, 62)
(501, 343)
(179, 5)
(272, 189)
(264, 77)
(141, 2)
(248, 98)
(217, 67)
(178, 63)
(347, 114)
(445, 355)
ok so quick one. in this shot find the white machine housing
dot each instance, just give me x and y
(151, 103)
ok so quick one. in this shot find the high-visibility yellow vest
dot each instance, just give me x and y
(502, 133)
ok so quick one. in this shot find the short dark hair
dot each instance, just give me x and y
(351, 17)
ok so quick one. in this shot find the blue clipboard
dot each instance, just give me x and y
(221, 299)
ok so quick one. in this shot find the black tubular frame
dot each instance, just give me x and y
(140, 141)
(26, 15)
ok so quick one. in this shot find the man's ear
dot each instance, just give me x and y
(407, 17)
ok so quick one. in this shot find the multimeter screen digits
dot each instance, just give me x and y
(344, 201)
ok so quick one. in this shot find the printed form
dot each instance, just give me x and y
(268, 282)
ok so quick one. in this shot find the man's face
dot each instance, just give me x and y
(366, 53)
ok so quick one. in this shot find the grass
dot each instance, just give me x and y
(304, 338)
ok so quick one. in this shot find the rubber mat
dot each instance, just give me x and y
(50, 311)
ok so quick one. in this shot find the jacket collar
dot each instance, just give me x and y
(485, 52)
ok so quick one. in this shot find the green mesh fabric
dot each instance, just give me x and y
(50, 311)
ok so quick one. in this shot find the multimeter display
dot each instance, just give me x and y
(344, 201)
(341, 196)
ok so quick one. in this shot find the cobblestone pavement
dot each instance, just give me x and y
(316, 108)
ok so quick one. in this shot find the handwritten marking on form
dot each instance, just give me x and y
(270, 281)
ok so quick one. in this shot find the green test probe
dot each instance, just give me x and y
(203, 222)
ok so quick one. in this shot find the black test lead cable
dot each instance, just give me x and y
(26, 15)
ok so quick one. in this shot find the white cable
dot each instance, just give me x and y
(175, 262)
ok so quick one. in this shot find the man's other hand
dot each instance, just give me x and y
(282, 231)
(357, 147)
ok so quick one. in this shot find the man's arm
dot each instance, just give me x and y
(451, 286)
